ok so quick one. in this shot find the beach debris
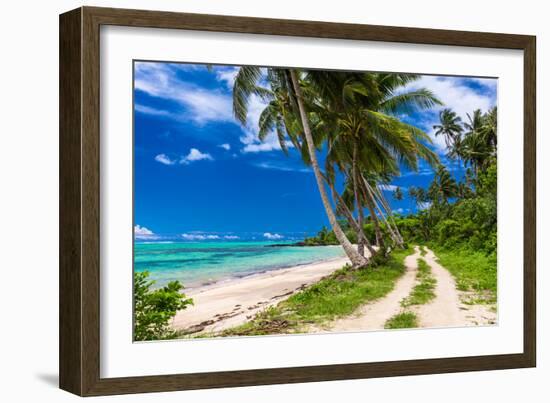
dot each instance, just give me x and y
(198, 327)
(282, 295)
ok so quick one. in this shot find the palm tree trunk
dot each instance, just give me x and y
(374, 218)
(359, 204)
(389, 213)
(356, 259)
(373, 197)
(373, 206)
(340, 205)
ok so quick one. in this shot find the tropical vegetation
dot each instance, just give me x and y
(154, 308)
(456, 217)
(354, 117)
(349, 128)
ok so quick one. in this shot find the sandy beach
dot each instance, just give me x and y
(233, 302)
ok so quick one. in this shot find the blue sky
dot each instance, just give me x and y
(198, 174)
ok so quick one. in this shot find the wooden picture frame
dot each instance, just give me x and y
(79, 346)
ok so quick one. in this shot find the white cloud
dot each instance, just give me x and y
(489, 83)
(252, 143)
(198, 104)
(456, 95)
(271, 236)
(227, 75)
(259, 147)
(387, 187)
(421, 172)
(195, 155)
(225, 146)
(424, 205)
(208, 106)
(277, 167)
(143, 233)
(152, 111)
(199, 237)
(164, 159)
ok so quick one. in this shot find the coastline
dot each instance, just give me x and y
(234, 301)
(222, 262)
(236, 277)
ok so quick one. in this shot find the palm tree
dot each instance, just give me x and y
(489, 128)
(480, 140)
(450, 126)
(464, 191)
(291, 113)
(356, 113)
(355, 257)
(443, 186)
(345, 204)
(398, 194)
(419, 195)
(351, 112)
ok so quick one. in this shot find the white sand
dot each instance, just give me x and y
(233, 302)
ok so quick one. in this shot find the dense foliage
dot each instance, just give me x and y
(460, 214)
(468, 222)
(457, 219)
(154, 308)
(450, 214)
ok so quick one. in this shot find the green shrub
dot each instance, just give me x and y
(447, 229)
(153, 309)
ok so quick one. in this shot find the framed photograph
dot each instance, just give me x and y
(249, 201)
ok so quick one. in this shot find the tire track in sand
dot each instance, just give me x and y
(445, 309)
(374, 315)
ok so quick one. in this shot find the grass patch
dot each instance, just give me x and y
(423, 292)
(423, 251)
(473, 271)
(403, 320)
(334, 296)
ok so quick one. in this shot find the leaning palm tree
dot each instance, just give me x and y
(346, 203)
(354, 113)
(289, 116)
(357, 114)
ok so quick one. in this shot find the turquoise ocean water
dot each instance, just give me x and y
(200, 263)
